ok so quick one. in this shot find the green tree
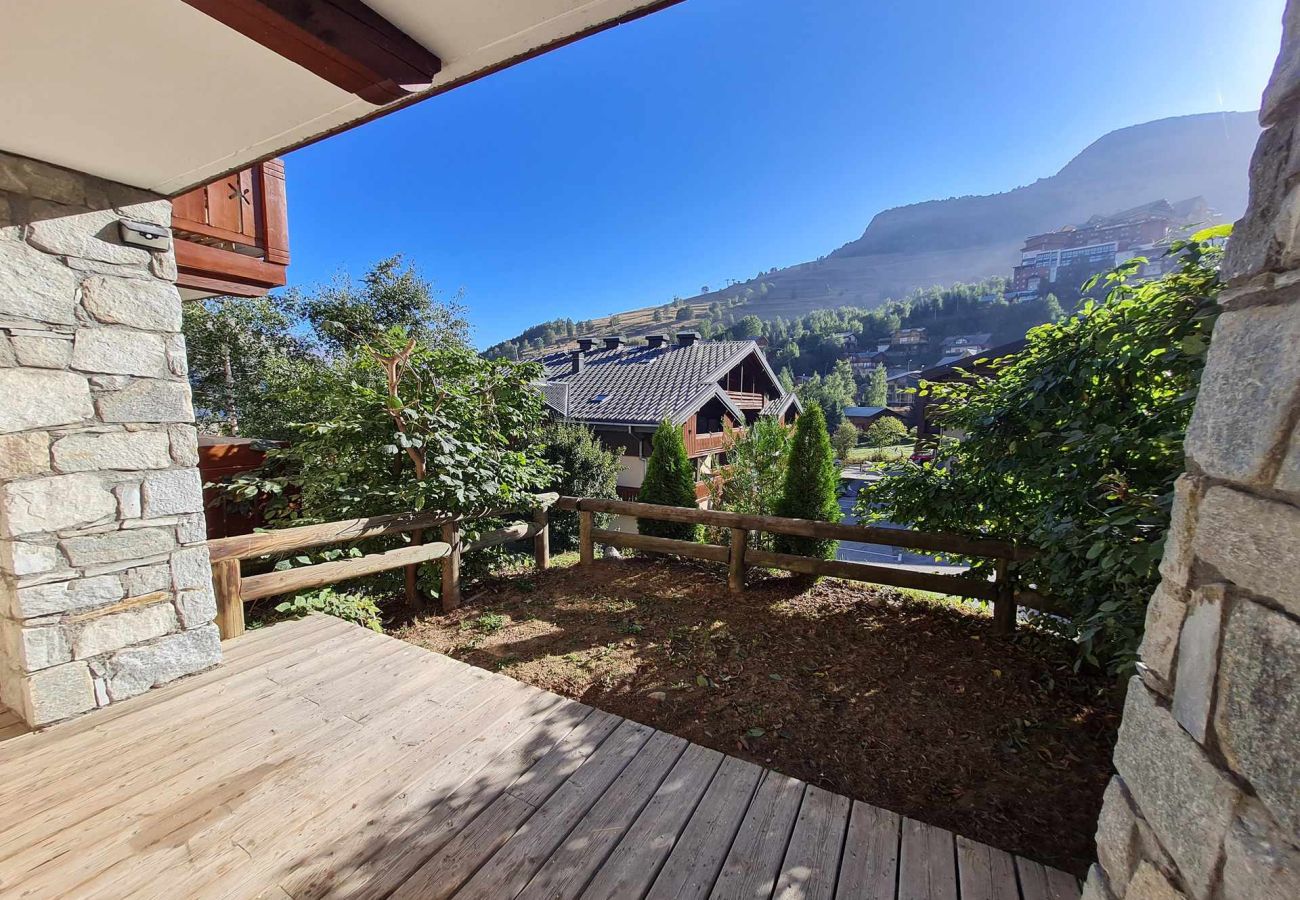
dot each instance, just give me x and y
(584, 468)
(844, 439)
(748, 328)
(669, 481)
(786, 378)
(755, 478)
(886, 432)
(812, 483)
(877, 392)
(684, 314)
(1074, 447)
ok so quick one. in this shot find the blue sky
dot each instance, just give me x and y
(721, 137)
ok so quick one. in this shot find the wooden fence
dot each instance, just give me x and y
(233, 590)
(738, 556)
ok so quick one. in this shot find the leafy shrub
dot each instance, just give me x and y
(812, 482)
(351, 607)
(669, 481)
(1074, 446)
(844, 439)
(755, 474)
(886, 432)
(585, 468)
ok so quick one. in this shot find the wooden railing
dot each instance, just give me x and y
(233, 590)
(1000, 591)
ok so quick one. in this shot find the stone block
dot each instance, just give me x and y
(119, 546)
(173, 492)
(120, 351)
(1198, 658)
(197, 608)
(191, 568)
(1117, 838)
(23, 558)
(85, 235)
(24, 454)
(1095, 887)
(147, 579)
(148, 303)
(43, 646)
(123, 450)
(41, 398)
(36, 286)
(30, 177)
(185, 445)
(1254, 543)
(1159, 647)
(52, 351)
(148, 400)
(53, 503)
(1257, 716)
(1240, 421)
(177, 362)
(1258, 862)
(1176, 563)
(1282, 95)
(192, 529)
(124, 629)
(128, 501)
(1177, 788)
(1150, 884)
(67, 596)
(58, 693)
(134, 670)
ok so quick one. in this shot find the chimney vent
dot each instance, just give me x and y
(576, 362)
(614, 341)
(655, 341)
(585, 344)
(687, 338)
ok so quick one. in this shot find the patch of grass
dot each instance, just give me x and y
(491, 623)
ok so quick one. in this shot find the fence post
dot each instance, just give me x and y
(542, 541)
(1004, 605)
(586, 550)
(736, 561)
(451, 566)
(230, 602)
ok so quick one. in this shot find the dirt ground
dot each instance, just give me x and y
(903, 702)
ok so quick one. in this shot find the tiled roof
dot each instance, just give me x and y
(639, 385)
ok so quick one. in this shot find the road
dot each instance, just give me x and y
(881, 554)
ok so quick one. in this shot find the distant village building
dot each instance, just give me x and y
(902, 389)
(966, 343)
(862, 417)
(1075, 253)
(623, 391)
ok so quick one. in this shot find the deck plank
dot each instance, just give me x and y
(811, 867)
(869, 870)
(752, 866)
(693, 866)
(323, 759)
(927, 865)
(985, 873)
(635, 863)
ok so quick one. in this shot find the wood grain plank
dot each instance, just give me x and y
(927, 867)
(752, 865)
(634, 864)
(811, 867)
(1040, 882)
(869, 870)
(985, 873)
(572, 864)
(696, 859)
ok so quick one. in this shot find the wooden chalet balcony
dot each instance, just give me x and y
(747, 399)
(232, 236)
(699, 444)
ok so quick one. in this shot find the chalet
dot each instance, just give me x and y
(863, 417)
(624, 391)
(965, 344)
(902, 388)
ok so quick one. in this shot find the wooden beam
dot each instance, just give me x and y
(542, 541)
(273, 584)
(202, 261)
(284, 540)
(711, 552)
(451, 535)
(230, 599)
(904, 578)
(344, 42)
(736, 562)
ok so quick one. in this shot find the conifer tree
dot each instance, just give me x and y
(669, 481)
(811, 485)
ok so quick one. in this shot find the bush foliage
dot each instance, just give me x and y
(584, 469)
(755, 474)
(812, 482)
(885, 432)
(1074, 447)
(669, 481)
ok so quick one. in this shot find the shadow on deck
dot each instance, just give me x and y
(322, 759)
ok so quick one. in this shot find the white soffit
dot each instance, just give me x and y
(155, 94)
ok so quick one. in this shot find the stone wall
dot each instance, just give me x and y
(1206, 802)
(105, 588)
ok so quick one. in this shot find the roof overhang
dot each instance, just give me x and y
(161, 95)
(790, 399)
(744, 353)
(692, 406)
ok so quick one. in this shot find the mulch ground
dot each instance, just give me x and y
(909, 704)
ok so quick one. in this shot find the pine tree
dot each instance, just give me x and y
(878, 388)
(811, 485)
(669, 481)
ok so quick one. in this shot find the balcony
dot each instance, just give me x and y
(747, 399)
(232, 236)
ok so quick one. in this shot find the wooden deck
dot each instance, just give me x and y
(322, 759)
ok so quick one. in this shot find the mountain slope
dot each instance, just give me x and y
(941, 242)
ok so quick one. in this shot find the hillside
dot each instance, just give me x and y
(966, 239)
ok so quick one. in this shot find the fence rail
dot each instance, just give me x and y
(233, 590)
(738, 556)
